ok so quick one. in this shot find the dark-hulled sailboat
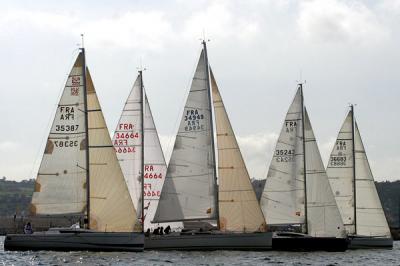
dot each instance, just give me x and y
(190, 192)
(80, 176)
(353, 184)
(297, 199)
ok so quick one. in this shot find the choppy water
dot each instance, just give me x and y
(356, 257)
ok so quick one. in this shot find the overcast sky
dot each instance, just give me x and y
(347, 51)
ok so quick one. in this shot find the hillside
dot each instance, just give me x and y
(15, 197)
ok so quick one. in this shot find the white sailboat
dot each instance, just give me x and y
(190, 191)
(136, 121)
(353, 184)
(80, 175)
(297, 197)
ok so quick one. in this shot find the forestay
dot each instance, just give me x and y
(111, 208)
(323, 216)
(189, 188)
(371, 219)
(340, 173)
(282, 200)
(239, 209)
(60, 184)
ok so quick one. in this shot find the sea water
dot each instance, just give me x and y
(350, 257)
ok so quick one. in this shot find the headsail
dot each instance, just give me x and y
(340, 173)
(111, 205)
(155, 168)
(189, 188)
(323, 216)
(371, 220)
(282, 200)
(60, 183)
(239, 209)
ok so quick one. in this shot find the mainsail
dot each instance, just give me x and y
(239, 209)
(128, 144)
(285, 198)
(340, 173)
(60, 183)
(61, 186)
(360, 205)
(323, 216)
(190, 184)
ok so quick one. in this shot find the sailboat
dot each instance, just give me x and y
(353, 184)
(79, 175)
(297, 199)
(193, 193)
(138, 155)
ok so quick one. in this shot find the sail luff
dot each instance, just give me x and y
(216, 194)
(354, 170)
(142, 141)
(305, 227)
(85, 104)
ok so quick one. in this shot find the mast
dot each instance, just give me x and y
(354, 168)
(212, 129)
(304, 158)
(85, 104)
(142, 142)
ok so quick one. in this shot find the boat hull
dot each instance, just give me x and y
(307, 243)
(93, 241)
(207, 241)
(370, 243)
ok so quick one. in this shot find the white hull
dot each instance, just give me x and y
(68, 241)
(365, 242)
(210, 241)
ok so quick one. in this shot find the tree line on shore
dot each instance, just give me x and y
(15, 197)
